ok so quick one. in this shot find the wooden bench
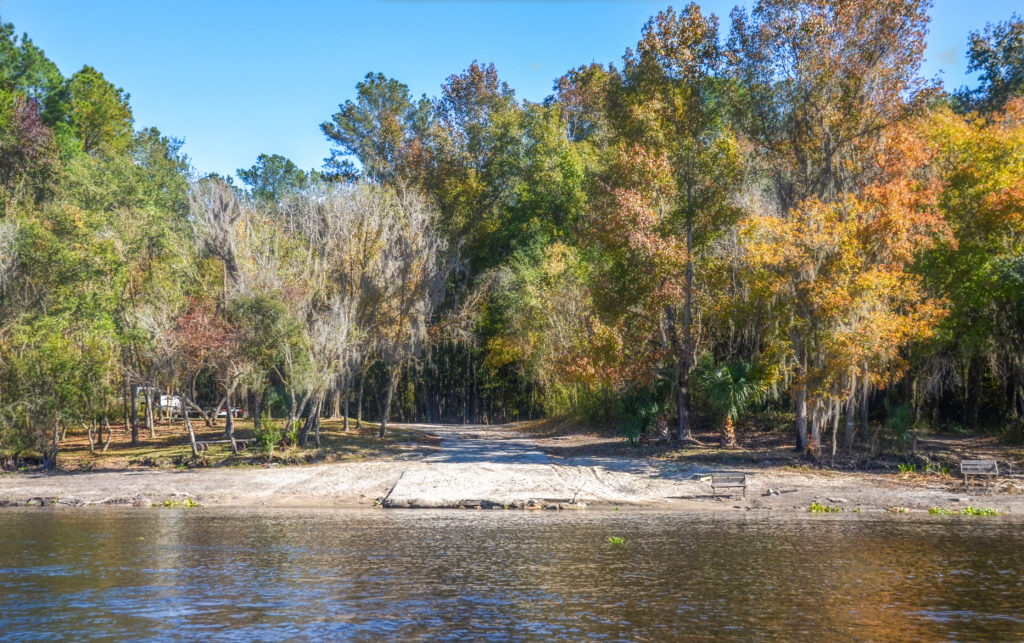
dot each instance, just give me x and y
(979, 468)
(239, 445)
(728, 480)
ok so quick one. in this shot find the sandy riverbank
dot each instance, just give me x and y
(500, 467)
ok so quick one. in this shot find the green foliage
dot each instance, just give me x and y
(616, 541)
(273, 177)
(966, 511)
(997, 55)
(640, 410)
(99, 113)
(817, 508)
(605, 237)
(187, 503)
(731, 388)
(979, 511)
(900, 423)
(267, 434)
(293, 431)
(375, 129)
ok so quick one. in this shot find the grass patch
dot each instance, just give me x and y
(170, 448)
(616, 541)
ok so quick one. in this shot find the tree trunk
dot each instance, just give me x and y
(312, 422)
(293, 410)
(348, 394)
(125, 414)
(150, 419)
(684, 376)
(851, 421)
(336, 398)
(50, 455)
(728, 432)
(135, 414)
(110, 434)
(474, 410)
(256, 404)
(465, 388)
(186, 405)
(801, 418)
(299, 410)
(392, 381)
(864, 392)
(229, 420)
(317, 417)
(814, 445)
(359, 399)
(682, 412)
(835, 430)
(191, 436)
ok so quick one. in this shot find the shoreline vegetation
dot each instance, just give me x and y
(778, 247)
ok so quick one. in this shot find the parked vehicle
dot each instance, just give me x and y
(171, 404)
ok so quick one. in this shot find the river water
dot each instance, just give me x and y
(215, 574)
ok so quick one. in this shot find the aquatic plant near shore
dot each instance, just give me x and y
(966, 511)
(187, 503)
(817, 508)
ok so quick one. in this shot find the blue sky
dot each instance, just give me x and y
(236, 79)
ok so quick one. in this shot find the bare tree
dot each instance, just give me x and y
(415, 266)
(218, 222)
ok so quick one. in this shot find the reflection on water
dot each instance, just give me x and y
(267, 575)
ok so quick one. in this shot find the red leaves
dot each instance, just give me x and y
(201, 336)
(28, 146)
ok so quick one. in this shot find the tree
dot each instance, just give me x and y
(414, 267)
(219, 222)
(843, 297)
(667, 190)
(997, 53)
(976, 359)
(26, 71)
(272, 177)
(99, 113)
(376, 130)
(820, 86)
(28, 153)
(730, 389)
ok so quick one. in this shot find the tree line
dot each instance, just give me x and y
(785, 217)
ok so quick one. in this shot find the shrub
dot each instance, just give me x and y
(267, 434)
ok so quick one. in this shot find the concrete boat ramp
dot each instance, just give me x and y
(489, 467)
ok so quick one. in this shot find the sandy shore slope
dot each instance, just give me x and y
(489, 467)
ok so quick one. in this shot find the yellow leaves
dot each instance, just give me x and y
(840, 270)
(982, 165)
(74, 215)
